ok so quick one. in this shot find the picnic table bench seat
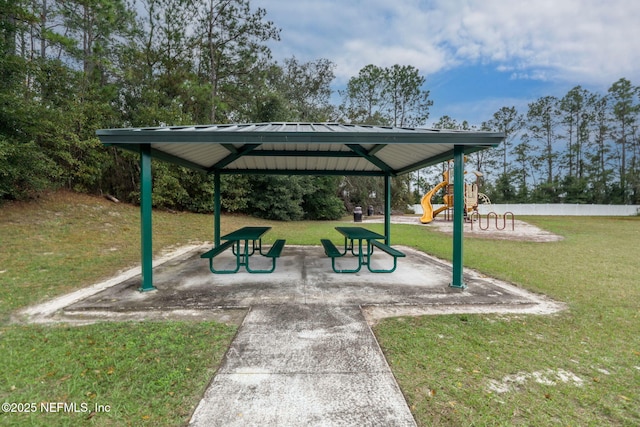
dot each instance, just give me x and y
(212, 253)
(330, 249)
(276, 249)
(273, 253)
(389, 250)
(332, 252)
(217, 250)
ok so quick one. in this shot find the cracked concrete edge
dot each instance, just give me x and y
(226, 315)
(39, 313)
(52, 311)
(541, 305)
(375, 313)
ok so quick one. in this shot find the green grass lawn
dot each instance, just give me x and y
(151, 373)
(579, 367)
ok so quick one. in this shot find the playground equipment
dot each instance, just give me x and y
(475, 216)
(427, 208)
(471, 196)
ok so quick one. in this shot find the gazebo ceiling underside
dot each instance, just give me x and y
(300, 148)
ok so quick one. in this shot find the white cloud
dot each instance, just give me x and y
(571, 40)
(590, 41)
(536, 48)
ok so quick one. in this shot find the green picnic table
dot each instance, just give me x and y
(360, 234)
(243, 243)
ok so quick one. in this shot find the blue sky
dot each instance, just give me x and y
(477, 55)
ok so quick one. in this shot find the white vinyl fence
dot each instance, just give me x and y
(553, 209)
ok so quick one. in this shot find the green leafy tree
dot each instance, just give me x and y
(543, 119)
(277, 197)
(305, 88)
(577, 107)
(624, 109)
(97, 26)
(408, 102)
(504, 191)
(523, 172)
(361, 191)
(546, 192)
(508, 121)
(634, 169)
(23, 169)
(10, 11)
(322, 202)
(574, 189)
(369, 191)
(386, 96)
(401, 195)
(17, 176)
(271, 107)
(297, 92)
(231, 42)
(157, 77)
(235, 192)
(598, 168)
(364, 99)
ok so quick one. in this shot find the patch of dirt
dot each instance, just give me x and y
(500, 229)
(549, 377)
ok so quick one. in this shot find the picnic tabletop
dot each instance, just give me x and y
(246, 233)
(359, 233)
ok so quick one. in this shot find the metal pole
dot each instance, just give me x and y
(458, 216)
(216, 209)
(387, 209)
(146, 229)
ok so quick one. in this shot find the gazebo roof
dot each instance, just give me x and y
(300, 148)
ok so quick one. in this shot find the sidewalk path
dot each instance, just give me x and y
(304, 365)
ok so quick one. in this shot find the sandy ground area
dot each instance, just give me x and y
(493, 228)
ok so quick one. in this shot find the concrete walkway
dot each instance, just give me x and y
(304, 354)
(304, 365)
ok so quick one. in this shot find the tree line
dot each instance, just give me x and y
(580, 148)
(71, 67)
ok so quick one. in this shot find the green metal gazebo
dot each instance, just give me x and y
(299, 149)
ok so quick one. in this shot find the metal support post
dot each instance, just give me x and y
(458, 216)
(146, 229)
(216, 209)
(387, 209)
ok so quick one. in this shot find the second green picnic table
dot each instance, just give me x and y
(351, 234)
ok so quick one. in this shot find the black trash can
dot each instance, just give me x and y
(370, 210)
(357, 214)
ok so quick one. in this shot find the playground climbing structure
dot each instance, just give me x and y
(471, 197)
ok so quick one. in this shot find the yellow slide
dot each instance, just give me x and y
(427, 209)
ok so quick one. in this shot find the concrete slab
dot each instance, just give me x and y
(304, 276)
